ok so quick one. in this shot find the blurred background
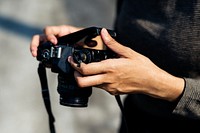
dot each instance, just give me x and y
(21, 105)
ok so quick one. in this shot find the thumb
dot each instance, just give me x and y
(114, 45)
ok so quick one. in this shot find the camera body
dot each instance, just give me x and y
(55, 58)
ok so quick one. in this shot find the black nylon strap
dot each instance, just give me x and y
(45, 95)
(119, 101)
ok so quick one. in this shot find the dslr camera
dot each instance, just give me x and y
(55, 57)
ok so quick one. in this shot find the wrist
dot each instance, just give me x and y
(177, 89)
(169, 87)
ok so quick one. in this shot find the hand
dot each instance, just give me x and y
(130, 73)
(50, 34)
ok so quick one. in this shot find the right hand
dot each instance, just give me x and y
(50, 33)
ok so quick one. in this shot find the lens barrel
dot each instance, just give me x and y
(70, 93)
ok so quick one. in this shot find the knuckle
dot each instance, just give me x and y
(62, 26)
(113, 92)
(111, 41)
(47, 29)
(80, 83)
(84, 70)
(35, 37)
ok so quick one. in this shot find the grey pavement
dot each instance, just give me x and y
(21, 106)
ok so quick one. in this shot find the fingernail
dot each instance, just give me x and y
(34, 53)
(69, 59)
(105, 34)
(53, 41)
(104, 31)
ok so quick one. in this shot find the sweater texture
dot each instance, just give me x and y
(168, 33)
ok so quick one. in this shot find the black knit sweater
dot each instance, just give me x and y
(167, 32)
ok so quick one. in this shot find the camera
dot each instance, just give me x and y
(55, 57)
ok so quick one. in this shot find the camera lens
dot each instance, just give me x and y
(70, 93)
(83, 55)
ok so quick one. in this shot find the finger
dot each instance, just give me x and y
(52, 38)
(114, 45)
(73, 64)
(60, 30)
(54, 30)
(88, 69)
(87, 81)
(36, 39)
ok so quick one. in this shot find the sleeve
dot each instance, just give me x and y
(189, 103)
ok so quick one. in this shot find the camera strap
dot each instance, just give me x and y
(119, 101)
(45, 95)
